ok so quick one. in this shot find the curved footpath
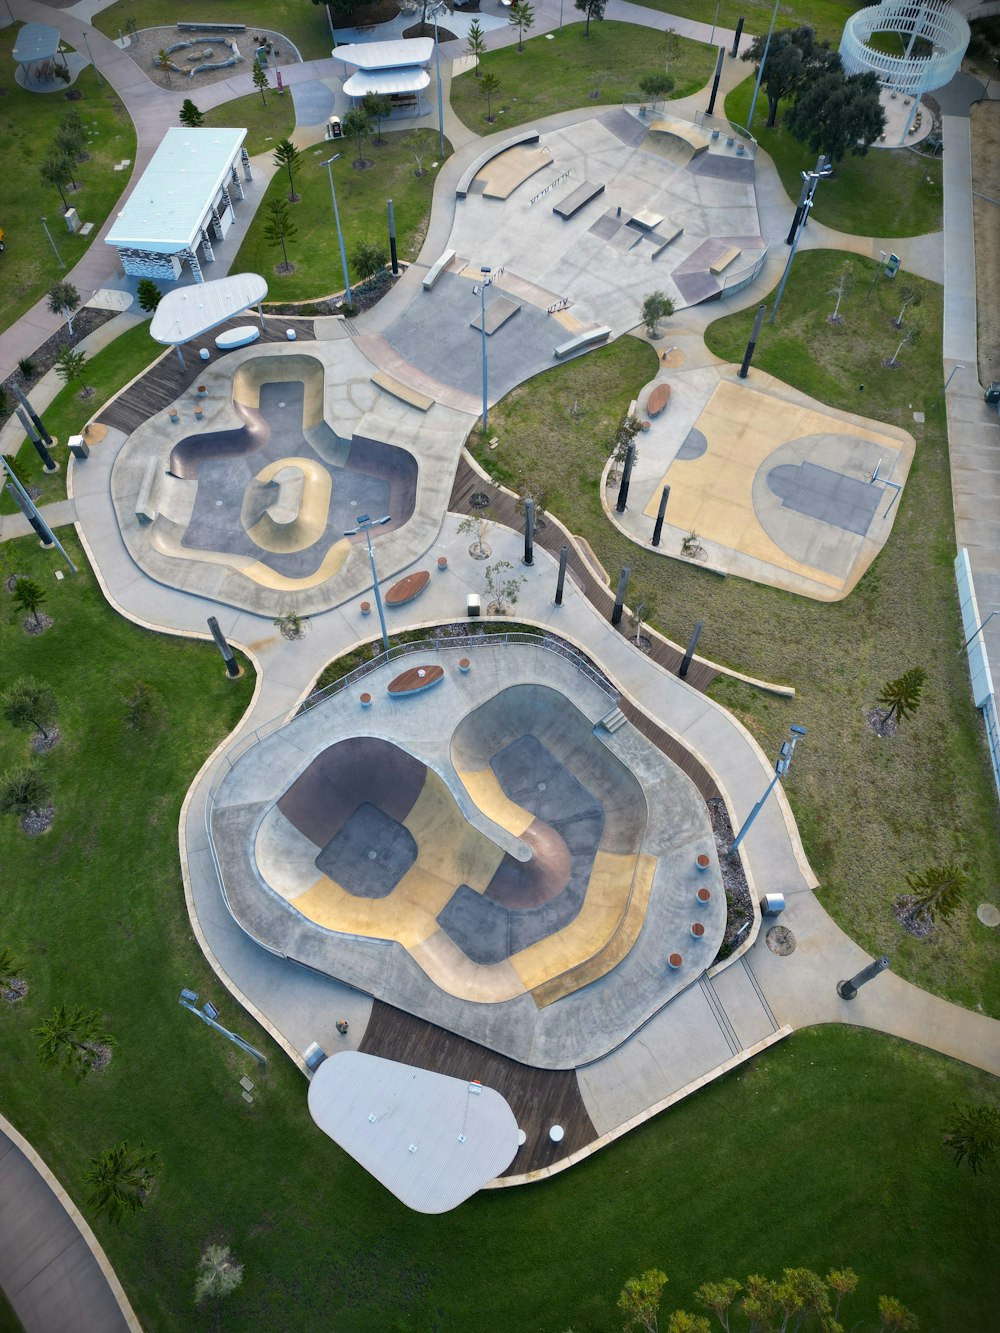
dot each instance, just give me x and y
(712, 1025)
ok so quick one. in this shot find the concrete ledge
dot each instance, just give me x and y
(588, 338)
(665, 239)
(577, 199)
(145, 505)
(725, 259)
(212, 27)
(494, 150)
(402, 391)
(437, 268)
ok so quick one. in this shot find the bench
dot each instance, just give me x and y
(145, 507)
(664, 239)
(212, 27)
(477, 163)
(577, 199)
(238, 337)
(402, 391)
(658, 399)
(725, 259)
(437, 268)
(588, 338)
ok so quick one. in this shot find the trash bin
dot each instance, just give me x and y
(78, 446)
(472, 606)
(334, 129)
(290, 335)
(772, 904)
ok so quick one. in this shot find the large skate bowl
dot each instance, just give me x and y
(485, 855)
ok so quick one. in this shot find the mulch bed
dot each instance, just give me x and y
(16, 989)
(39, 821)
(43, 744)
(920, 925)
(734, 880)
(365, 296)
(36, 624)
(876, 721)
(85, 321)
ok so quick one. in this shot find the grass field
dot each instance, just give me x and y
(826, 16)
(361, 197)
(886, 192)
(106, 372)
(28, 123)
(869, 810)
(302, 23)
(266, 123)
(549, 76)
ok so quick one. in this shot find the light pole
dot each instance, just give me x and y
(485, 271)
(946, 383)
(365, 525)
(45, 224)
(718, 5)
(780, 769)
(437, 65)
(810, 179)
(882, 257)
(986, 90)
(763, 62)
(90, 53)
(340, 235)
(979, 629)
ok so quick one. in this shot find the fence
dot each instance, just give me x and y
(983, 693)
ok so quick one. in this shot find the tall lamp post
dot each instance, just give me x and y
(780, 769)
(763, 62)
(485, 271)
(340, 235)
(978, 630)
(365, 525)
(437, 64)
(45, 224)
(882, 257)
(809, 191)
(954, 371)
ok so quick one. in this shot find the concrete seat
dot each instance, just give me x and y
(725, 259)
(241, 336)
(437, 268)
(577, 199)
(588, 338)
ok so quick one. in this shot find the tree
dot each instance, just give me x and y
(628, 429)
(120, 1180)
(70, 1037)
(29, 596)
(474, 525)
(502, 585)
(639, 1299)
(71, 137)
(840, 289)
(63, 300)
(23, 791)
(760, 1303)
(643, 609)
(793, 57)
(938, 891)
(671, 47)
(902, 695)
(895, 1315)
(279, 229)
(379, 108)
(9, 968)
(368, 259)
(141, 704)
(842, 1282)
(357, 125)
(29, 703)
(57, 170)
(682, 1322)
(656, 86)
(489, 86)
(148, 295)
(190, 115)
(476, 44)
(594, 9)
(656, 306)
(971, 1135)
(219, 1274)
(288, 156)
(415, 147)
(69, 366)
(522, 17)
(910, 296)
(718, 1297)
(260, 79)
(290, 625)
(164, 64)
(800, 1293)
(835, 114)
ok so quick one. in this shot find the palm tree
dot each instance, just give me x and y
(902, 695)
(938, 891)
(23, 791)
(287, 155)
(29, 596)
(29, 702)
(973, 1135)
(70, 1036)
(120, 1180)
(218, 1273)
(9, 967)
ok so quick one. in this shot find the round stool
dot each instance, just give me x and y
(556, 1133)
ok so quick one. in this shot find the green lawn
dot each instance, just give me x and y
(107, 372)
(266, 122)
(826, 16)
(361, 197)
(885, 192)
(28, 123)
(549, 76)
(869, 810)
(302, 23)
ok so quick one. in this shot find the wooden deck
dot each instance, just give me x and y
(539, 1098)
(166, 380)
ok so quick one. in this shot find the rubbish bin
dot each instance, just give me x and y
(472, 606)
(334, 129)
(772, 904)
(78, 446)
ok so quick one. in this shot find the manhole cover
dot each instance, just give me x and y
(479, 500)
(373, 856)
(780, 940)
(988, 914)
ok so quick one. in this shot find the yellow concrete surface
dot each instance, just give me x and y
(402, 391)
(488, 795)
(284, 368)
(503, 174)
(447, 966)
(448, 846)
(310, 523)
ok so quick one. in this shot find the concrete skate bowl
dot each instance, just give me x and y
(539, 889)
(274, 495)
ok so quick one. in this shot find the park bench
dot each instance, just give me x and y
(241, 336)
(658, 399)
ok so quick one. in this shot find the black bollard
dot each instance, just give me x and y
(848, 989)
(392, 239)
(626, 478)
(748, 354)
(657, 530)
(561, 581)
(715, 81)
(736, 40)
(48, 462)
(39, 424)
(529, 531)
(232, 666)
(692, 645)
(616, 614)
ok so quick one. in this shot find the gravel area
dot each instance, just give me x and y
(734, 880)
(144, 47)
(85, 321)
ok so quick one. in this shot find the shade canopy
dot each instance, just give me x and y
(386, 81)
(387, 55)
(187, 312)
(35, 42)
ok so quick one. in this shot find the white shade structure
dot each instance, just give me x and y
(187, 312)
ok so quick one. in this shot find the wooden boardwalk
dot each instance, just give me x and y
(539, 1098)
(167, 380)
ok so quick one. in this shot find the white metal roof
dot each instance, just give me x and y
(386, 81)
(187, 312)
(387, 55)
(429, 1139)
(167, 207)
(35, 41)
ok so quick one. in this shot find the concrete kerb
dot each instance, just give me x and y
(78, 1220)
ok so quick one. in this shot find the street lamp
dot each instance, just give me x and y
(340, 235)
(781, 767)
(365, 525)
(437, 63)
(763, 62)
(810, 179)
(45, 224)
(954, 369)
(485, 271)
(882, 257)
(979, 629)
